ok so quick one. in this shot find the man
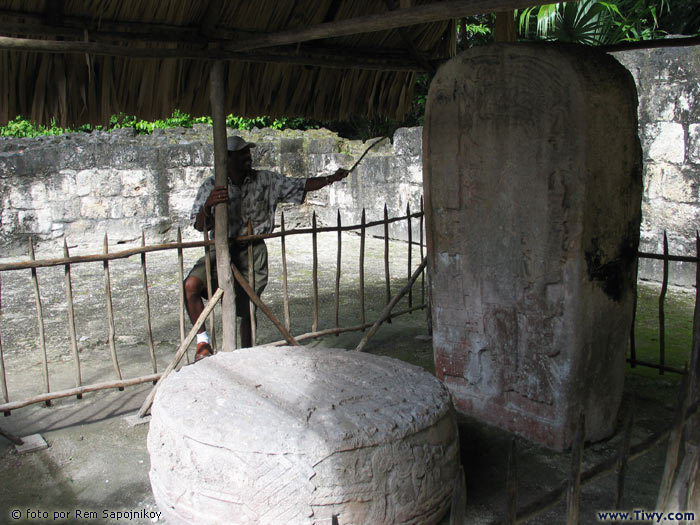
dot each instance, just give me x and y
(251, 194)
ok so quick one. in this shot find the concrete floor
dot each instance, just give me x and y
(97, 464)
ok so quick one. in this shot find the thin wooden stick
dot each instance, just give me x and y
(386, 258)
(3, 377)
(365, 153)
(40, 323)
(251, 282)
(623, 455)
(574, 484)
(181, 288)
(285, 290)
(71, 321)
(662, 298)
(258, 302)
(110, 315)
(362, 269)
(512, 483)
(410, 247)
(337, 275)
(674, 446)
(422, 277)
(182, 350)
(314, 278)
(149, 328)
(387, 309)
(207, 269)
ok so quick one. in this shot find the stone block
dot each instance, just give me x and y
(271, 435)
(665, 142)
(533, 182)
(408, 141)
(31, 443)
(694, 143)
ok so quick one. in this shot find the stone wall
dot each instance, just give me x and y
(668, 86)
(80, 186)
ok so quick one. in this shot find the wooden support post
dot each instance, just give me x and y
(40, 323)
(314, 274)
(223, 259)
(387, 276)
(574, 484)
(182, 350)
(389, 307)
(662, 299)
(285, 290)
(633, 339)
(207, 269)
(71, 321)
(362, 268)
(149, 328)
(512, 483)
(258, 302)
(181, 289)
(422, 277)
(111, 332)
(337, 275)
(3, 377)
(410, 247)
(504, 28)
(251, 282)
(694, 371)
(11, 437)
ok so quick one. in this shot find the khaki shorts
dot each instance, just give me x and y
(239, 257)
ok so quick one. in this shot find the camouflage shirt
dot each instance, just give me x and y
(256, 199)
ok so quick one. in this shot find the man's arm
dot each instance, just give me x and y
(316, 183)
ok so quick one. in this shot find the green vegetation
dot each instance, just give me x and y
(678, 314)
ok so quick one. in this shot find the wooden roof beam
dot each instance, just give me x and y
(304, 57)
(422, 14)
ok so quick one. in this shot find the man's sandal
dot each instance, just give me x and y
(203, 350)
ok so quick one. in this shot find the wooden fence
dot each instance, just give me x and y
(68, 261)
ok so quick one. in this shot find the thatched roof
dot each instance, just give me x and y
(82, 61)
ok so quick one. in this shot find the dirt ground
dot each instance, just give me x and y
(97, 465)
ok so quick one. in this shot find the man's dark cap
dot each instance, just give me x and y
(235, 143)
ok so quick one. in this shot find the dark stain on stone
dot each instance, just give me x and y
(613, 274)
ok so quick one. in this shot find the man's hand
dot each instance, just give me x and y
(218, 194)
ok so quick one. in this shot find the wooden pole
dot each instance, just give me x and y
(633, 339)
(71, 321)
(223, 259)
(314, 275)
(11, 437)
(662, 299)
(3, 377)
(149, 328)
(251, 282)
(422, 277)
(258, 302)
(387, 277)
(410, 247)
(207, 269)
(285, 289)
(110, 315)
(337, 274)
(182, 350)
(40, 323)
(389, 307)
(362, 268)
(181, 289)
(574, 484)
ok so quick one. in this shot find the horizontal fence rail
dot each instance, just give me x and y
(107, 256)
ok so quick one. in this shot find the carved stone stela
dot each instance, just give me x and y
(532, 175)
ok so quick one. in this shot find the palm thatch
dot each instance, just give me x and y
(82, 61)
